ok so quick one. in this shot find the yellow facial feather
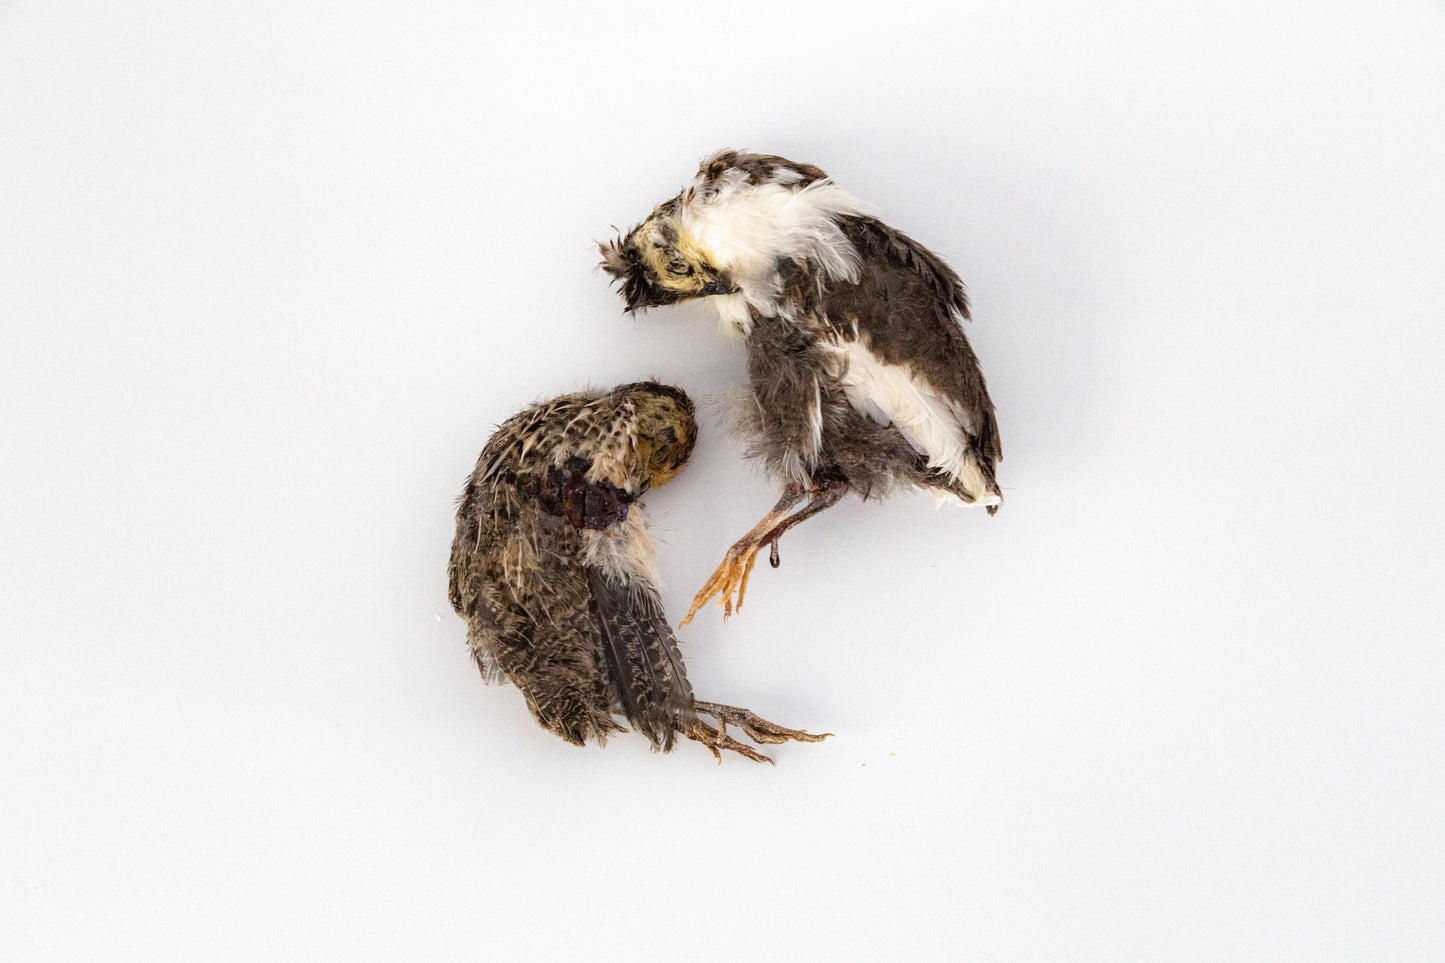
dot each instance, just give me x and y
(666, 435)
(681, 266)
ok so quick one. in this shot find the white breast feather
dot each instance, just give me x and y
(934, 426)
(746, 228)
(733, 317)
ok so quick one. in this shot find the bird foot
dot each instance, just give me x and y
(731, 577)
(757, 728)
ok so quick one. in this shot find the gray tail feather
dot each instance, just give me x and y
(646, 677)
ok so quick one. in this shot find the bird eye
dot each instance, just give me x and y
(678, 266)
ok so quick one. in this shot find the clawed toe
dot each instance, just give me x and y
(729, 579)
(757, 728)
(716, 739)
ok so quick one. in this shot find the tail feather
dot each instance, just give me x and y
(644, 667)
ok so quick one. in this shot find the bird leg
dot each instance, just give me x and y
(758, 729)
(739, 560)
(829, 485)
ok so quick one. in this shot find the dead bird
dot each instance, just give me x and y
(553, 571)
(862, 379)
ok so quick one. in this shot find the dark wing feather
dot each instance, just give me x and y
(645, 670)
(909, 304)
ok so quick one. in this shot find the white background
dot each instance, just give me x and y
(269, 273)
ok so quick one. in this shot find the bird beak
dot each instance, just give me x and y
(716, 284)
(622, 261)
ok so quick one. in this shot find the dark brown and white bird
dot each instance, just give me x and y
(862, 379)
(553, 570)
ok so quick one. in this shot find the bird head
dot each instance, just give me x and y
(659, 262)
(729, 230)
(666, 430)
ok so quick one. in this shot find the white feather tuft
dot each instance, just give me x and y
(746, 228)
(733, 317)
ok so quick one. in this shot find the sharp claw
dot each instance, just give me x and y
(773, 559)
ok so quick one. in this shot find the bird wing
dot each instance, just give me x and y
(909, 362)
(644, 667)
(538, 632)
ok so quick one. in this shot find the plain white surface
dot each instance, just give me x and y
(270, 272)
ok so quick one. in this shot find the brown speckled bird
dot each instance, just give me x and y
(553, 570)
(862, 379)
